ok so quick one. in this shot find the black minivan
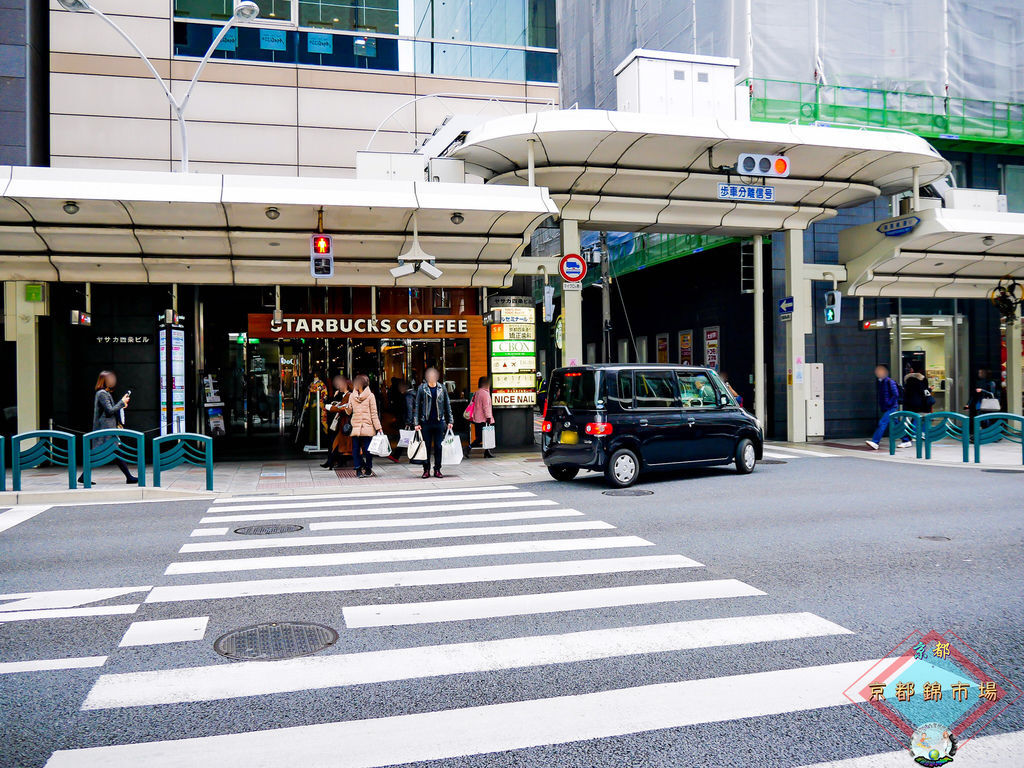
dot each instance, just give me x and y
(625, 419)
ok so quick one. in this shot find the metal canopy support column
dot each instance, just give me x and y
(1014, 382)
(572, 301)
(797, 286)
(760, 403)
(21, 326)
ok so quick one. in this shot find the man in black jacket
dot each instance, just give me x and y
(433, 417)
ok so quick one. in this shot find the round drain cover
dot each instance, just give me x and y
(771, 461)
(935, 538)
(1002, 471)
(628, 492)
(266, 530)
(275, 640)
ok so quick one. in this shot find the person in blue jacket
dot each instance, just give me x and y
(888, 393)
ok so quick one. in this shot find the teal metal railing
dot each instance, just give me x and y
(992, 427)
(904, 425)
(946, 424)
(171, 451)
(58, 448)
(104, 445)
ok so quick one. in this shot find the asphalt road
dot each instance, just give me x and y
(805, 569)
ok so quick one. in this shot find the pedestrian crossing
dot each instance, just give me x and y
(427, 590)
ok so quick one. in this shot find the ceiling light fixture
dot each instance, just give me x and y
(457, 218)
(71, 208)
(272, 213)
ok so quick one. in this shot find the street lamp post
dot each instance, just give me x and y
(245, 10)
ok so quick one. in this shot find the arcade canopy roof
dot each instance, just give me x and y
(624, 171)
(950, 253)
(141, 226)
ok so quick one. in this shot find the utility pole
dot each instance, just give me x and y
(606, 299)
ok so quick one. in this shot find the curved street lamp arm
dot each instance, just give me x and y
(202, 64)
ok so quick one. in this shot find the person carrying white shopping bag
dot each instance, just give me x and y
(432, 418)
(482, 417)
(365, 424)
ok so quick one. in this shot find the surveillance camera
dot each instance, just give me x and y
(988, 240)
(403, 269)
(273, 213)
(246, 10)
(428, 268)
(457, 218)
(71, 207)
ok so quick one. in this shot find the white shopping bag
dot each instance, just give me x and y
(405, 437)
(451, 450)
(379, 445)
(417, 450)
(488, 437)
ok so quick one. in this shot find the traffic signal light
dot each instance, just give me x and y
(762, 165)
(321, 245)
(833, 307)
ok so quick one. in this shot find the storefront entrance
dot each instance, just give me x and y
(935, 346)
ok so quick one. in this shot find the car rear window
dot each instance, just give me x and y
(575, 389)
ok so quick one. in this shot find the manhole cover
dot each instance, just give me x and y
(275, 640)
(935, 538)
(771, 461)
(1002, 471)
(628, 492)
(266, 530)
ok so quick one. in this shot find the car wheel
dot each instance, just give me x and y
(746, 457)
(623, 468)
(563, 474)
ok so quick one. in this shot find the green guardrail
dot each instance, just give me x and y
(938, 117)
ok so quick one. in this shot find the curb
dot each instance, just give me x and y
(93, 495)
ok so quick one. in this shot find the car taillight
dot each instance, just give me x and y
(598, 428)
(544, 415)
(546, 426)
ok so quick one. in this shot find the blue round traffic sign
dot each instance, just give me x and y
(572, 268)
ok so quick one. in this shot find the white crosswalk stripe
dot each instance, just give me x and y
(554, 587)
(454, 733)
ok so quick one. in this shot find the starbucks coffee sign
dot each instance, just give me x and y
(329, 326)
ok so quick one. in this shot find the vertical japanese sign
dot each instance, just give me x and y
(177, 379)
(686, 347)
(163, 339)
(712, 337)
(171, 340)
(513, 351)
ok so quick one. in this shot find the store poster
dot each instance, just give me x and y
(712, 338)
(686, 347)
(661, 343)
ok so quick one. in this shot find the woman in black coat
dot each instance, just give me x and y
(106, 414)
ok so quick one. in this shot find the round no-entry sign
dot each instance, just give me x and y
(572, 268)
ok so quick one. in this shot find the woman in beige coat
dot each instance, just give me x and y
(362, 406)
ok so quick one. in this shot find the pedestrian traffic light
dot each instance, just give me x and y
(762, 165)
(321, 245)
(833, 307)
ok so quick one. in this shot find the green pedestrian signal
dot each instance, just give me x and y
(833, 307)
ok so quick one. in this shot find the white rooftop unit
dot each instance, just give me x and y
(682, 84)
